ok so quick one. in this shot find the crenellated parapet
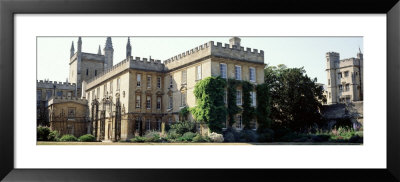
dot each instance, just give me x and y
(59, 85)
(217, 50)
(129, 63)
(57, 100)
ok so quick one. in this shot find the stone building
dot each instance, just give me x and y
(139, 94)
(345, 78)
(46, 90)
(68, 115)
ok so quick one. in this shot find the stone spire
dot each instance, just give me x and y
(108, 54)
(79, 44)
(99, 51)
(128, 49)
(72, 50)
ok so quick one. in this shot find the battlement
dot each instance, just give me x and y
(129, 63)
(218, 49)
(332, 54)
(51, 84)
(57, 100)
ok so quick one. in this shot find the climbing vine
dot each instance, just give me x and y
(248, 111)
(231, 99)
(210, 108)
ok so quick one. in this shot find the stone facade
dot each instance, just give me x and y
(345, 78)
(138, 94)
(68, 115)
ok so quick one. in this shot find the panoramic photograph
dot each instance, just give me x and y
(234, 90)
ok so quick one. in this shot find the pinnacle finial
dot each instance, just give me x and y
(72, 46)
(109, 43)
(99, 51)
(359, 49)
(79, 44)
(128, 48)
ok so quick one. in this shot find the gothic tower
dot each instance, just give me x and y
(72, 50)
(108, 54)
(128, 49)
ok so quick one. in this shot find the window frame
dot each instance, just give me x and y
(238, 72)
(221, 70)
(138, 80)
(254, 75)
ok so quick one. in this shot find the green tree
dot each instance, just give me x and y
(210, 107)
(294, 96)
(263, 110)
(231, 98)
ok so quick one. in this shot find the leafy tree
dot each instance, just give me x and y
(294, 97)
(210, 107)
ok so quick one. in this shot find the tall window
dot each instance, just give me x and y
(253, 99)
(238, 72)
(252, 75)
(225, 97)
(238, 97)
(222, 70)
(158, 124)
(346, 74)
(198, 72)
(93, 95)
(87, 72)
(148, 81)
(59, 94)
(347, 87)
(171, 84)
(71, 112)
(111, 87)
(148, 124)
(118, 83)
(329, 81)
(158, 103)
(239, 122)
(39, 95)
(105, 89)
(98, 92)
(183, 77)
(138, 123)
(148, 102)
(88, 96)
(340, 87)
(330, 95)
(49, 93)
(95, 72)
(340, 75)
(170, 102)
(183, 98)
(158, 82)
(137, 101)
(138, 79)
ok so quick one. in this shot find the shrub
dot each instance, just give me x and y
(188, 136)
(172, 134)
(54, 136)
(215, 137)
(152, 136)
(87, 138)
(42, 133)
(199, 138)
(229, 137)
(183, 127)
(248, 136)
(320, 138)
(138, 139)
(266, 135)
(356, 139)
(68, 138)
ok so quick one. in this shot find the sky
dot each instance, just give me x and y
(309, 52)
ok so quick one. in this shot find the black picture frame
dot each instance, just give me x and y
(9, 8)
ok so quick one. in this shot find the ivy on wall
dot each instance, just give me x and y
(232, 109)
(210, 108)
(248, 113)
